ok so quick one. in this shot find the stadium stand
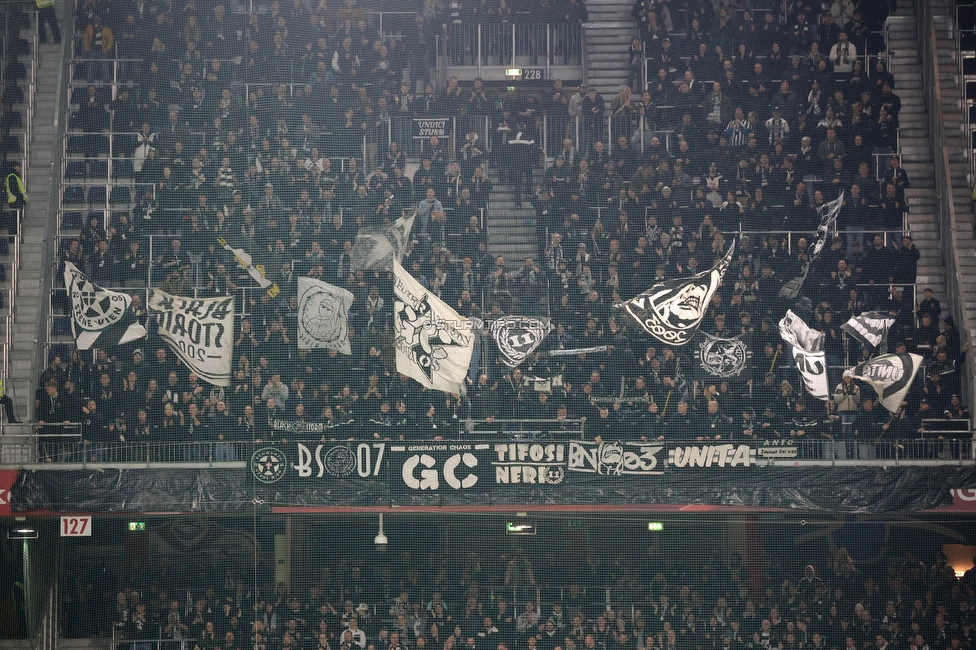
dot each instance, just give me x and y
(285, 129)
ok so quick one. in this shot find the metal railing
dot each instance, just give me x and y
(941, 442)
(490, 49)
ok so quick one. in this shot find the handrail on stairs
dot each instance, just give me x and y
(949, 221)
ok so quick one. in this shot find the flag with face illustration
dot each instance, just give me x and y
(672, 311)
(323, 312)
(518, 336)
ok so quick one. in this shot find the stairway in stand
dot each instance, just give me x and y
(607, 35)
(922, 221)
(511, 230)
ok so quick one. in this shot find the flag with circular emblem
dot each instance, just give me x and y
(518, 336)
(99, 317)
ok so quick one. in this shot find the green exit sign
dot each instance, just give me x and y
(656, 526)
(137, 526)
(520, 529)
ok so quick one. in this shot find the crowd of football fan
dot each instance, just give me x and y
(767, 120)
(905, 605)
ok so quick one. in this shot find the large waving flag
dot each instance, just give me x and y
(808, 354)
(433, 343)
(828, 215)
(378, 248)
(518, 336)
(672, 311)
(200, 331)
(99, 317)
(244, 259)
(890, 375)
(323, 312)
(869, 328)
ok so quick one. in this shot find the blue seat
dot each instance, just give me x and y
(71, 219)
(78, 94)
(98, 169)
(120, 194)
(61, 326)
(62, 351)
(11, 144)
(122, 169)
(16, 70)
(13, 94)
(75, 169)
(97, 195)
(74, 194)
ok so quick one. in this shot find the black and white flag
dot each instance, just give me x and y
(99, 317)
(200, 331)
(323, 316)
(797, 333)
(724, 358)
(672, 311)
(377, 248)
(870, 328)
(828, 215)
(890, 375)
(808, 354)
(433, 343)
(518, 336)
(813, 369)
(246, 262)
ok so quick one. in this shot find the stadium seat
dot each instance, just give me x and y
(76, 144)
(75, 169)
(71, 219)
(74, 194)
(97, 195)
(61, 326)
(16, 70)
(11, 144)
(98, 169)
(61, 350)
(122, 169)
(11, 120)
(78, 94)
(120, 194)
(75, 121)
(13, 94)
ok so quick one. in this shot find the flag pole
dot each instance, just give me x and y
(667, 399)
(775, 356)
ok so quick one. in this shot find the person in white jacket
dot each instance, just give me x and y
(843, 54)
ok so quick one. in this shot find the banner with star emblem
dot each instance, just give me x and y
(323, 316)
(724, 357)
(518, 336)
(671, 311)
(99, 317)
(433, 343)
(377, 248)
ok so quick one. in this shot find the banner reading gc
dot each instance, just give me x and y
(200, 332)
